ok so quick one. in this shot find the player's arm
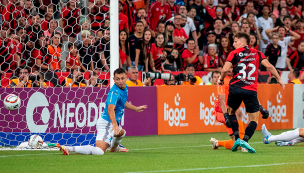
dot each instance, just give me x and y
(222, 103)
(225, 69)
(269, 32)
(134, 108)
(111, 112)
(112, 99)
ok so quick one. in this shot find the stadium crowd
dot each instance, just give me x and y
(41, 36)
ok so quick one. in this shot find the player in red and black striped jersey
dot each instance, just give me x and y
(12, 12)
(70, 17)
(243, 86)
(8, 49)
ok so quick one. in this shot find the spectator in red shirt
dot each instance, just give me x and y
(129, 11)
(253, 44)
(124, 50)
(233, 10)
(210, 15)
(211, 62)
(73, 58)
(159, 10)
(293, 11)
(191, 55)
(70, 16)
(123, 19)
(48, 17)
(158, 54)
(224, 50)
(12, 12)
(300, 26)
(180, 36)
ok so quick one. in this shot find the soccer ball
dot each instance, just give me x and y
(35, 141)
(12, 102)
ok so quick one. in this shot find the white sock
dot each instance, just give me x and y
(286, 136)
(116, 141)
(298, 140)
(88, 150)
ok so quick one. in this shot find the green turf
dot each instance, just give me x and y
(150, 154)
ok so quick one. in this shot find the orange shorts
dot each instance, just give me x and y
(219, 116)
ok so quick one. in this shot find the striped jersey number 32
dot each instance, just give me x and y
(242, 71)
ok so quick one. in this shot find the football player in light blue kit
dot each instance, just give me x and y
(108, 125)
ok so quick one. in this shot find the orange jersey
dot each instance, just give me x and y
(222, 90)
(56, 57)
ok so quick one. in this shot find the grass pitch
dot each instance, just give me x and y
(167, 153)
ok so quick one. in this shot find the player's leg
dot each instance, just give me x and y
(252, 107)
(239, 116)
(102, 141)
(292, 142)
(87, 149)
(116, 140)
(285, 136)
(234, 101)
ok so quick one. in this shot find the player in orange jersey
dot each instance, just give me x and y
(221, 115)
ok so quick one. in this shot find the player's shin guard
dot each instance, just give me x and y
(250, 130)
(234, 126)
(116, 141)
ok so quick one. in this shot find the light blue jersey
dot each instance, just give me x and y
(117, 97)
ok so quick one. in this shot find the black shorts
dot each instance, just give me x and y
(237, 95)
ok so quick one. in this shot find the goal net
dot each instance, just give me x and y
(56, 58)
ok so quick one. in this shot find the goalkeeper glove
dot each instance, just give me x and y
(227, 121)
(264, 112)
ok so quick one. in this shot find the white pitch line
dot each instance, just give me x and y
(129, 149)
(29, 154)
(227, 167)
(182, 147)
